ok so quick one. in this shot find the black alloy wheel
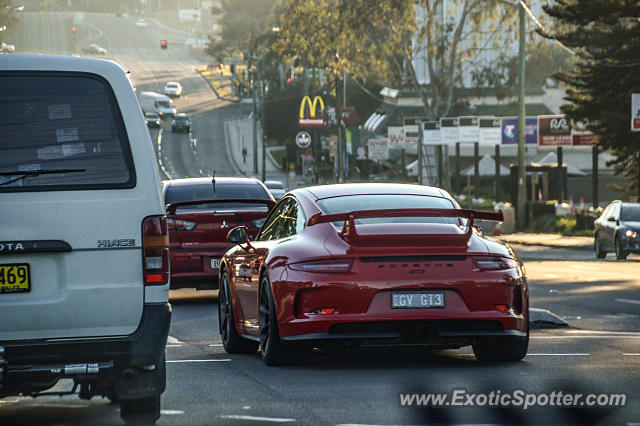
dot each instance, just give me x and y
(621, 252)
(597, 247)
(271, 348)
(233, 343)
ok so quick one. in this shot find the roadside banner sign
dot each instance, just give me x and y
(489, 131)
(396, 136)
(553, 130)
(585, 138)
(378, 149)
(635, 112)
(303, 140)
(468, 129)
(411, 130)
(510, 130)
(449, 130)
(431, 133)
(362, 152)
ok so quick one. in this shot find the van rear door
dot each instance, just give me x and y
(71, 210)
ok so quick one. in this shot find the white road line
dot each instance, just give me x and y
(624, 333)
(216, 345)
(631, 354)
(174, 346)
(199, 360)
(173, 341)
(630, 301)
(584, 337)
(257, 419)
(171, 412)
(552, 354)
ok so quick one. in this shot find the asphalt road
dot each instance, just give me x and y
(599, 352)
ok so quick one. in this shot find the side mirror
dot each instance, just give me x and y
(238, 235)
(612, 219)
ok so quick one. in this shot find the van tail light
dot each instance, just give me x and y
(493, 263)
(155, 250)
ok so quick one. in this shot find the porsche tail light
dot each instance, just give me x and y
(322, 311)
(493, 263)
(181, 225)
(502, 308)
(155, 250)
(331, 266)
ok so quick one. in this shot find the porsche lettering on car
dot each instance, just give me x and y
(382, 263)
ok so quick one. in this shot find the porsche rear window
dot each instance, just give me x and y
(350, 203)
(61, 131)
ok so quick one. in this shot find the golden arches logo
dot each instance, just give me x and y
(311, 120)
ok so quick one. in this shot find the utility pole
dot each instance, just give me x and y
(264, 137)
(522, 125)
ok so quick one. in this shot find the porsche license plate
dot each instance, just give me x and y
(215, 263)
(14, 278)
(406, 300)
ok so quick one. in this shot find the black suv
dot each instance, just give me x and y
(618, 230)
(181, 123)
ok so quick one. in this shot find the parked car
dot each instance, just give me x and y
(7, 48)
(155, 102)
(276, 188)
(84, 269)
(181, 123)
(94, 49)
(141, 23)
(152, 119)
(385, 263)
(618, 230)
(201, 211)
(173, 88)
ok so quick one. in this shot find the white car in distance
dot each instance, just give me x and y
(173, 88)
(141, 23)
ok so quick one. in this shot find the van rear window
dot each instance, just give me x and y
(61, 131)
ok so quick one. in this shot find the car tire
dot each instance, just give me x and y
(505, 349)
(621, 253)
(272, 350)
(140, 411)
(597, 247)
(232, 342)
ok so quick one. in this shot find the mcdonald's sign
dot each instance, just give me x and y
(315, 117)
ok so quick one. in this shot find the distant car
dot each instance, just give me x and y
(173, 88)
(94, 49)
(618, 230)
(141, 23)
(276, 187)
(8, 48)
(181, 123)
(200, 213)
(163, 44)
(152, 119)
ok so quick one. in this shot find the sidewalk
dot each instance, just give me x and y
(548, 240)
(220, 82)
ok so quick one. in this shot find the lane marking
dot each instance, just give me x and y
(171, 412)
(199, 360)
(584, 337)
(630, 301)
(173, 341)
(552, 354)
(631, 354)
(257, 418)
(627, 333)
(216, 345)
(174, 346)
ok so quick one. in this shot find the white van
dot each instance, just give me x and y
(84, 271)
(155, 102)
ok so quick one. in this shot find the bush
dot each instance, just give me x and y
(545, 224)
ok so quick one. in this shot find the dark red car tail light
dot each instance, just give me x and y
(181, 225)
(324, 266)
(155, 250)
(493, 263)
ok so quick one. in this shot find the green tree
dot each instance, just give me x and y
(605, 35)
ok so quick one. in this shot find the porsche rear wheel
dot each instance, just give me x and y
(233, 343)
(271, 348)
(505, 349)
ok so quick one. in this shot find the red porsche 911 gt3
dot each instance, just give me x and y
(372, 264)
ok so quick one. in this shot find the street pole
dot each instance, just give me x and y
(522, 125)
(420, 153)
(255, 128)
(264, 136)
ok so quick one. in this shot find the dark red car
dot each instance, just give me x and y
(200, 213)
(372, 263)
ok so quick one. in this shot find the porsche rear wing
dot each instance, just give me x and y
(171, 208)
(350, 234)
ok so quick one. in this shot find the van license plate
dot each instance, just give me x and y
(14, 278)
(215, 263)
(417, 300)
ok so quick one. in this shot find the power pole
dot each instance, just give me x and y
(522, 125)
(264, 137)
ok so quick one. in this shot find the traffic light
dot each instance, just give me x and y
(163, 44)
(73, 30)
